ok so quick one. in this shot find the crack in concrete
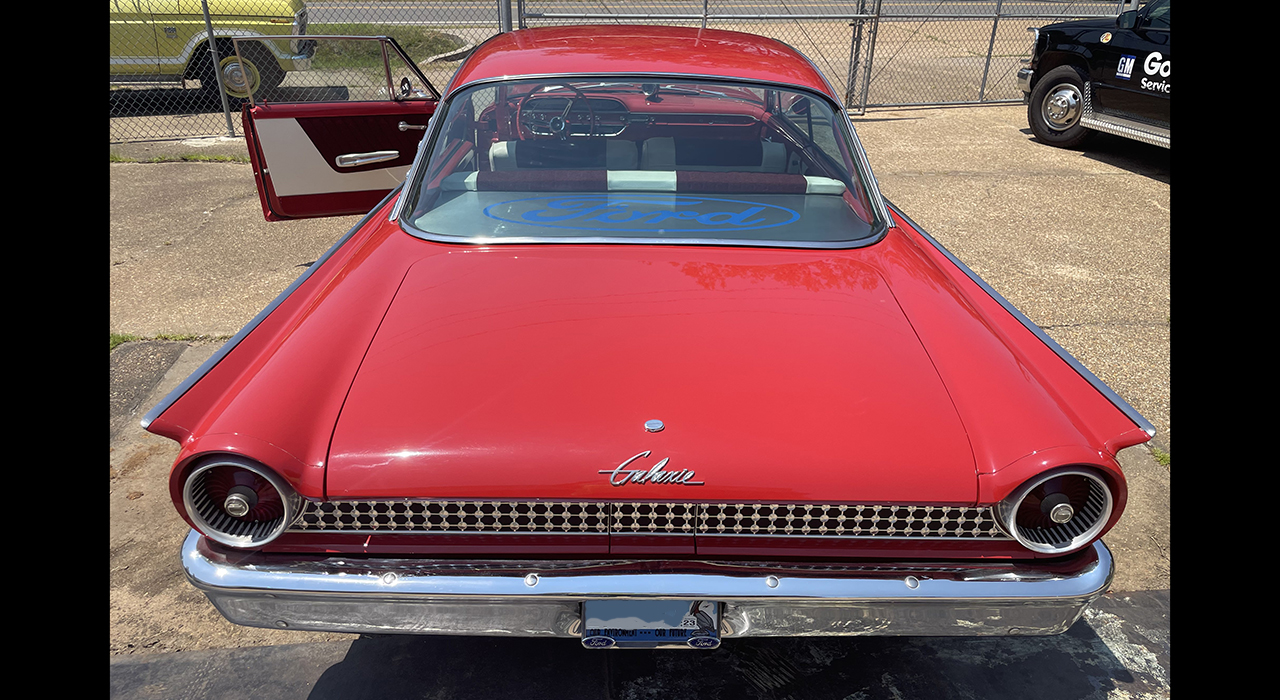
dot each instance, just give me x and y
(212, 211)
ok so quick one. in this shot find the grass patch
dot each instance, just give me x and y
(183, 158)
(187, 336)
(200, 158)
(119, 338)
(1161, 456)
(418, 44)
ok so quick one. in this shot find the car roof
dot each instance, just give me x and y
(612, 49)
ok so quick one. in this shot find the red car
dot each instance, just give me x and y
(637, 354)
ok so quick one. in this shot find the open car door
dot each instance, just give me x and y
(335, 139)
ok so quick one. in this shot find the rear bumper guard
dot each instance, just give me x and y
(544, 598)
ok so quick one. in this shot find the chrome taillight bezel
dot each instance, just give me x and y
(1071, 536)
(231, 531)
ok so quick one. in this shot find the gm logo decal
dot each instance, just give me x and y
(641, 214)
(1125, 68)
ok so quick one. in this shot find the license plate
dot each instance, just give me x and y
(647, 624)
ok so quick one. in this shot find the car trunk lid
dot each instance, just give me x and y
(521, 372)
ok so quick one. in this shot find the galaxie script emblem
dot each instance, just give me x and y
(620, 475)
(642, 214)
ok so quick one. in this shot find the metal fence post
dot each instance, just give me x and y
(855, 55)
(217, 73)
(871, 56)
(991, 45)
(504, 15)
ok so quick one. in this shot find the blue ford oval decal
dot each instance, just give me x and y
(598, 642)
(641, 214)
(703, 642)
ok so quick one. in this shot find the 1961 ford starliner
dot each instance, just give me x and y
(638, 354)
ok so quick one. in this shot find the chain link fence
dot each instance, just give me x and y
(880, 52)
(165, 79)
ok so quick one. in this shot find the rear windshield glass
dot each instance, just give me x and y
(618, 160)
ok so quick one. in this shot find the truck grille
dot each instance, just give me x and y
(586, 517)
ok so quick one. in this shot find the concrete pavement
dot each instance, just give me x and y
(1078, 240)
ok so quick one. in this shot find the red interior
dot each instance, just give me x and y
(336, 128)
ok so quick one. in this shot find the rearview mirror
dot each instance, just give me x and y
(1127, 20)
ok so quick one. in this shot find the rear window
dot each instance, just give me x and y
(629, 161)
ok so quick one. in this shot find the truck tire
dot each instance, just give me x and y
(259, 70)
(1057, 102)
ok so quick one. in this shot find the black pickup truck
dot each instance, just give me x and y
(1109, 75)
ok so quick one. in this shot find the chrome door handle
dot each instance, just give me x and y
(405, 126)
(351, 160)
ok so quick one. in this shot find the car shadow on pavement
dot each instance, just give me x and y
(1135, 156)
(1100, 655)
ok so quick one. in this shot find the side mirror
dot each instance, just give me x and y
(1127, 20)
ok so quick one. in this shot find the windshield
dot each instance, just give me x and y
(627, 161)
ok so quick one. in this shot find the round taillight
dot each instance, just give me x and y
(1057, 512)
(239, 502)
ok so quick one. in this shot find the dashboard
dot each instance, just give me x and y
(553, 115)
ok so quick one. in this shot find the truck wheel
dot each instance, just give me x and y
(1057, 102)
(259, 71)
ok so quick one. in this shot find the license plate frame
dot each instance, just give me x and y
(651, 624)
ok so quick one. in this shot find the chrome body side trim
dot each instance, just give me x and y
(1120, 126)
(544, 598)
(1030, 325)
(228, 346)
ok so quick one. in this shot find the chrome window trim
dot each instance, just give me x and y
(392, 96)
(428, 136)
(860, 161)
(1106, 391)
(240, 335)
(879, 231)
(607, 240)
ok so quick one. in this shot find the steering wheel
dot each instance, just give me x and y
(559, 125)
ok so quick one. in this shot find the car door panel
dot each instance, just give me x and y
(295, 149)
(1132, 77)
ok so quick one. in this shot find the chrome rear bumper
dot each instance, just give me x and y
(544, 598)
